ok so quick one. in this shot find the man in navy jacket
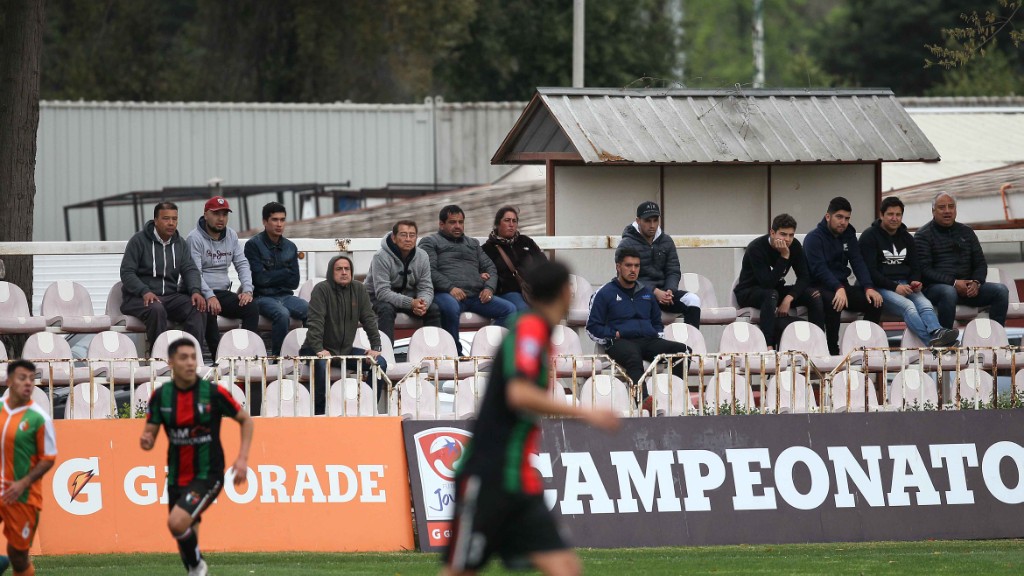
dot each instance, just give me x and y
(625, 318)
(831, 250)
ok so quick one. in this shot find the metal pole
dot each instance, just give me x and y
(758, 43)
(676, 13)
(578, 11)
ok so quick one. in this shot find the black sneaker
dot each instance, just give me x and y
(944, 338)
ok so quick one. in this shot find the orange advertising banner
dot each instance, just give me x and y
(314, 484)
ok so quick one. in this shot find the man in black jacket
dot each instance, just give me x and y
(659, 263)
(953, 266)
(891, 257)
(762, 281)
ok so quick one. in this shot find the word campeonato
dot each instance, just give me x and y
(78, 485)
(895, 475)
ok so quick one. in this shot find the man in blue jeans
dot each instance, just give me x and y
(274, 261)
(891, 257)
(954, 267)
(464, 277)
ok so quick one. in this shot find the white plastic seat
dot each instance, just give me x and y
(240, 343)
(486, 343)
(113, 345)
(692, 337)
(15, 316)
(802, 336)
(3, 363)
(671, 395)
(225, 324)
(857, 383)
(865, 334)
(710, 311)
(67, 304)
(285, 397)
(433, 342)
(792, 392)
(92, 401)
(416, 398)
(306, 288)
(362, 340)
(582, 293)
(912, 388)
(930, 359)
(604, 391)
(566, 342)
(52, 354)
(291, 347)
(39, 397)
(1015, 308)
(159, 353)
(976, 386)
(350, 397)
(469, 393)
(983, 332)
(723, 387)
(117, 319)
(748, 343)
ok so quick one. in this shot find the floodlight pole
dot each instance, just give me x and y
(578, 10)
(758, 43)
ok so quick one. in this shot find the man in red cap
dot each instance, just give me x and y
(215, 248)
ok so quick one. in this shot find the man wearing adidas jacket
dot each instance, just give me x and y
(155, 260)
(625, 319)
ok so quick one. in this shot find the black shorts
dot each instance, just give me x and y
(490, 521)
(194, 498)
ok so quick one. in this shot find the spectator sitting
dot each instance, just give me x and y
(890, 255)
(512, 253)
(659, 263)
(464, 277)
(626, 320)
(954, 268)
(336, 308)
(155, 260)
(399, 280)
(215, 248)
(762, 282)
(831, 250)
(274, 261)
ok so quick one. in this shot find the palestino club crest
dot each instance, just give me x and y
(438, 452)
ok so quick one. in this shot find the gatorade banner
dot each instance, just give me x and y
(314, 484)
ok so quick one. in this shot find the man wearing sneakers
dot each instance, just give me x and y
(891, 257)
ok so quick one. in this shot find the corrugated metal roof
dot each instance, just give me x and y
(976, 184)
(714, 126)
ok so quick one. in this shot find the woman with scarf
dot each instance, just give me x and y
(512, 253)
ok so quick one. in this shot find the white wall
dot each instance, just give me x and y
(805, 190)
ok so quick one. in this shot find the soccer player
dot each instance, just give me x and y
(500, 507)
(191, 409)
(29, 448)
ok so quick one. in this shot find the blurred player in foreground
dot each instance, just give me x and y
(28, 448)
(500, 507)
(190, 409)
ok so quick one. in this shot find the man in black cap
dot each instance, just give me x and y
(659, 263)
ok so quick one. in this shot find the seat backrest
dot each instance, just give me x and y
(671, 394)
(984, 332)
(469, 393)
(306, 290)
(723, 382)
(686, 334)
(913, 387)
(802, 336)
(742, 337)
(164, 340)
(487, 341)
(241, 342)
(114, 300)
(431, 341)
(91, 402)
(975, 385)
(46, 345)
(604, 391)
(565, 341)
(293, 342)
(418, 397)
(362, 340)
(857, 382)
(350, 397)
(998, 275)
(13, 302)
(910, 340)
(863, 334)
(39, 396)
(582, 292)
(110, 344)
(733, 301)
(787, 392)
(285, 397)
(702, 287)
(66, 298)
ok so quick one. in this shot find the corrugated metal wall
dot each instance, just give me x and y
(89, 150)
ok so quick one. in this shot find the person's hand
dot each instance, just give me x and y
(839, 301)
(241, 469)
(458, 294)
(873, 297)
(617, 335)
(904, 290)
(783, 309)
(373, 354)
(602, 419)
(213, 305)
(973, 286)
(244, 298)
(780, 245)
(486, 295)
(148, 298)
(14, 490)
(147, 440)
(916, 286)
(419, 307)
(485, 276)
(323, 354)
(199, 302)
(961, 287)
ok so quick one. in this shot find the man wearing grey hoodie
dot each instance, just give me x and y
(399, 280)
(337, 307)
(214, 249)
(155, 260)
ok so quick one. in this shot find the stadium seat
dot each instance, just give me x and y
(469, 393)
(159, 353)
(692, 337)
(285, 397)
(802, 336)
(976, 386)
(913, 388)
(582, 293)
(113, 309)
(671, 395)
(416, 398)
(387, 351)
(15, 315)
(604, 391)
(306, 288)
(225, 324)
(350, 397)
(470, 320)
(747, 342)
(240, 343)
(89, 401)
(986, 333)
(865, 334)
(52, 355)
(117, 345)
(265, 325)
(857, 383)
(68, 305)
(566, 342)
(1015, 309)
(486, 343)
(918, 352)
(723, 387)
(431, 341)
(752, 314)
(291, 346)
(39, 397)
(788, 392)
(3, 363)
(710, 311)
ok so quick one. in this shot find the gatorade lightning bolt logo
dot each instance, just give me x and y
(78, 482)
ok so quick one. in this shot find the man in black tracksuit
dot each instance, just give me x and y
(762, 281)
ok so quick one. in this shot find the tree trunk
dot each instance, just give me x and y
(21, 46)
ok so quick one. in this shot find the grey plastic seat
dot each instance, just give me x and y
(15, 316)
(68, 305)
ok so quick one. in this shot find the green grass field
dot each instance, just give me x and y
(962, 558)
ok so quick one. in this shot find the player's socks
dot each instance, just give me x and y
(188, 547)
(31, 571)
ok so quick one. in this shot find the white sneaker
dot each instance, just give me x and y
(199, 570)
